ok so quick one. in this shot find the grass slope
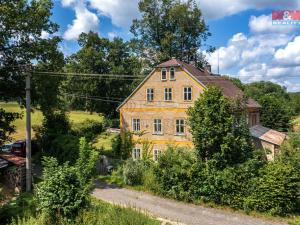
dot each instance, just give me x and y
(22, 211)
(37, 118)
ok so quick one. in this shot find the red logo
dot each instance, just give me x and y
(286, 15)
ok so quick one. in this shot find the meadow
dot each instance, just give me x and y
(37, 118)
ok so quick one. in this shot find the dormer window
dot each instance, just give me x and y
(164, 74)
(172, 73)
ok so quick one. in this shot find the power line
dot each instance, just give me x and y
(89, 74)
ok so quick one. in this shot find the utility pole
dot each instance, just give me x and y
(28, 133)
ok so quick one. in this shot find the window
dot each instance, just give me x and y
(136, 153)
(168, 94)
(156, 154)
(150, 94)
(136, 124)
(172, 73)
(180, 126)
(187, 93)
(164, 74)
(157, 126)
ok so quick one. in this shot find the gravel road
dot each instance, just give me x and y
(178, 212)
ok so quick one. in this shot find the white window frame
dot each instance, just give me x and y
(172, 69)
(156, 154)
(136, 124)
(186, 93)
(136, 153)
(156, 124)
(161, 75)
(150, 94)
(178, 123)
(168, 94)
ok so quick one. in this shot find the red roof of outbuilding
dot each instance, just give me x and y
(16, 160)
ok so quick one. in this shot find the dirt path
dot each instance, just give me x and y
(174, 211)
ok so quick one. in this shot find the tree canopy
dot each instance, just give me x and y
(277, 107)
(219, 128)
(21, 44)
(101, 56)
(169, 28)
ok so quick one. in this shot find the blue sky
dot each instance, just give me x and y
(248, 45)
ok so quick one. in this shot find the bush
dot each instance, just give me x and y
(275, 190)
(173, 172)
(228, 186)
(150, 181)
(133, 171)
(19, 207)
(60, 193)
(88, 129)
(64, 148)
(122, 145)
(65, 189)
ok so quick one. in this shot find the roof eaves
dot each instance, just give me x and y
(135, 90)
(195, 78)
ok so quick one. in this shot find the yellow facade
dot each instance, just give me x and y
(138, 108)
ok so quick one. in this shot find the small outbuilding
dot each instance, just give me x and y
(268, 140)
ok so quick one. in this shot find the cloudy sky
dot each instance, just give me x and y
(248, 45)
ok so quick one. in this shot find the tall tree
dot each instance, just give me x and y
(219, 128)
(169, 28)
(277, 107)
(21, 43)
(101, 56)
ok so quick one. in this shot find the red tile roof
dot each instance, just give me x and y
(206, 78)
(19, 161)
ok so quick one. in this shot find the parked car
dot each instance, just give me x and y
(6, 147)
(19, 148)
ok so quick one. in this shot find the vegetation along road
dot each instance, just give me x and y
(175, 211)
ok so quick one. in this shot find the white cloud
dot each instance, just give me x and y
(45, 35)
(85, 20)
(216, 9)
(290, 55)
(121, 12)
(263, 24)
(111, 35)
(274, 57)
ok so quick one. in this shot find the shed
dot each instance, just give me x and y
(268, 139)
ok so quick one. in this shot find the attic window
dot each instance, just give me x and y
(164, 74)
(172, 73)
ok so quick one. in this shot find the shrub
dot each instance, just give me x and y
(64, 148)
(275, 190)
(150, 181)
(173, 172)
(133, 171)
(60, 193)
(228, 186)
(65, 189)
(88, 129)
(122, 145)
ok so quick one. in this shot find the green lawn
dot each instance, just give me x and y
(37, 118)
(296, 123)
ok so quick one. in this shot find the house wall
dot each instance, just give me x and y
(137, 107)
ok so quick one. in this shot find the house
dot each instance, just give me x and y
(267, 139)
(156, 110)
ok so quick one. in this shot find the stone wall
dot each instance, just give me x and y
(15, 178)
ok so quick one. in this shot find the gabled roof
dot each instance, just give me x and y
(267, 134)
(205, 78)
